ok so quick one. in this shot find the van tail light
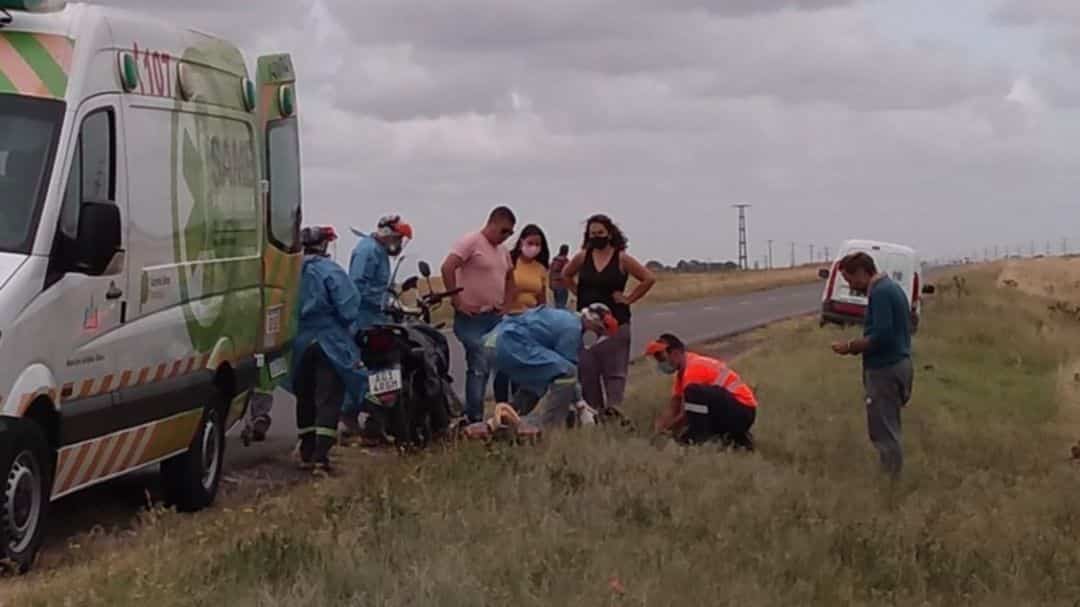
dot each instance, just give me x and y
(915, 292)
(832, 281)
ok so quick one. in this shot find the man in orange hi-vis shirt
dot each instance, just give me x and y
(708, 399)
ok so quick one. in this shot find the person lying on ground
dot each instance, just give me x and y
(709, 401)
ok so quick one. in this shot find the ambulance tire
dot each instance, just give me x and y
(190, 480)
(27, 465)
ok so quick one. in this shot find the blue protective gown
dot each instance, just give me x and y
(538, 347)
(329, 317)
(369, 270)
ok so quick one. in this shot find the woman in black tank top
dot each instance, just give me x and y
(599, 274)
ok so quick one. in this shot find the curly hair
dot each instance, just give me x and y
(618, 238)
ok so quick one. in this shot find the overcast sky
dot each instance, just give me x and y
(951, 126)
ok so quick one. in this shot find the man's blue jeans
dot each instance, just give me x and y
(470, 331)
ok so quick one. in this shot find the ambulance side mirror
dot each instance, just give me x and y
(409, 284)
(823, 274)
(425, 269)
(98, 240)
(929, 289)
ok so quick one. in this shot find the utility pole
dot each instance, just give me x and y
(812, 260)
(744, 262)
(827, 256)
(770, 254)
(1033, 248)
(793, 254)
(1064, 246)
(995, 251)
(1048, 248)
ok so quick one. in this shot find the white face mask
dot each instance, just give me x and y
(530, 251)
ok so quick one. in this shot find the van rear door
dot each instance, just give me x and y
(841, 290)
(899, 266)
(282, 255)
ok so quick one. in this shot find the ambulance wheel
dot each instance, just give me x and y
(190, 480)
(27, 467)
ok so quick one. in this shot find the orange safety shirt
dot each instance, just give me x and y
(711, 372)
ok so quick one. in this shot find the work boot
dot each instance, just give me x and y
(324, 468)
(307, 448)
(741, 440)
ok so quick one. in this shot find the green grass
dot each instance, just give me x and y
(988, 511)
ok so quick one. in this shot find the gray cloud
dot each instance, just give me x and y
(663, 113)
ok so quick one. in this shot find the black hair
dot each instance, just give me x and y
(674, 344)
(532, 230)
(564, 249)
(858, 261)
(618, 239)
(502, 214)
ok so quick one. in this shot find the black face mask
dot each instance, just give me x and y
(599, 242)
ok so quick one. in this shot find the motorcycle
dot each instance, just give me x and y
(408, 364)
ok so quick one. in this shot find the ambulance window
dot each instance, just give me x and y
(283, 151)
(93, 170)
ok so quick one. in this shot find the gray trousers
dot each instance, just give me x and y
(602, 369)
(887, 391)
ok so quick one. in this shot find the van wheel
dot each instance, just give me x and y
(191, 479)
(27, 467)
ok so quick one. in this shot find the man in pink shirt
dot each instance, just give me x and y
(481, 266)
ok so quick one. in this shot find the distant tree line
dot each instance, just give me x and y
(694, 266)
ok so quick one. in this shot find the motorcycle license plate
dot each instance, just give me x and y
(384, 382)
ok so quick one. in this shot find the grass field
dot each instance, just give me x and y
(988, 512)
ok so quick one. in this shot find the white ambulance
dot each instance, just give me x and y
(149, 254)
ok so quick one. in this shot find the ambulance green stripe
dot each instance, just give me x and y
(39, 60)
(6, 86)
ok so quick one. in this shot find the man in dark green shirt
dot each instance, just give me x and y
(886, 351)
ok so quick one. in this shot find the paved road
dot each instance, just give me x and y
(699, 320)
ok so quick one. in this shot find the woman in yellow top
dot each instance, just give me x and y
(531, 258)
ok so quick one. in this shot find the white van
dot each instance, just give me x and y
(841, 305)
(149, 252)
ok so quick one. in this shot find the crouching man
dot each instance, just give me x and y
(708, 400)
(538, 350)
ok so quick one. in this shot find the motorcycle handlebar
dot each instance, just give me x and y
(434, 297)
